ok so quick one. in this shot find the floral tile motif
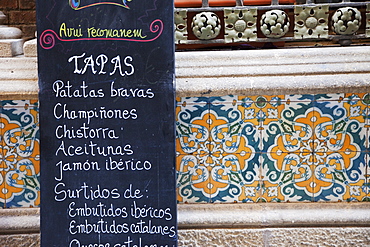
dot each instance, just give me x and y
(280, 148)
(3, 170)
(192, 127)
(366, 187)
(235, 171)
(341, 123)
(20, 165)
(284, 148)
(287, 177)
(216, 142)
(238, 139)
(287, 150)
(340, 176)
(192, 180)
(291, 131)
(258, 111)
(236, 132)
(340, 132)
(192, 145)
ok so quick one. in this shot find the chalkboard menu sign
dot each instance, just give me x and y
(106, 74)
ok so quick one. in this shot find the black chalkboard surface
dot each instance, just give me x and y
(106, 73)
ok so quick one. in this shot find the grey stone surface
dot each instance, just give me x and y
(10, 32)
(20, 240)
(268, 72)
(238, 215)
(18, 78)
(220, 237)
(11, 43)
(257, 215)
(278, 237)
(11, 47)
(19, 220)
(30, 48)
(273, 237)
(251, 72)
(2, 18)
(353, 236)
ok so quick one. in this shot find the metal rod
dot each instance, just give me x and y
(239, 3)
(269, 7)
(286, 39)
(205, 4)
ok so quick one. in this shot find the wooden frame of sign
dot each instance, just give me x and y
(106, 77)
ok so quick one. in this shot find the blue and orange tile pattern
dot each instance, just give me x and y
(281, 148)
(20, 154)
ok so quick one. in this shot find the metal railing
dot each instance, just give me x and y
(287, 22)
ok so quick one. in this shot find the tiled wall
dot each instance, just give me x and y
(20, 154)
(231, 149)
(273, 148)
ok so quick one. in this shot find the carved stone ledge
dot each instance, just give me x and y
(272, 215)
(20, 221)
(238, 215)
(269, 72)
(248, 72)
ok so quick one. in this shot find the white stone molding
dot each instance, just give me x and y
(268, 72)
(247, 72)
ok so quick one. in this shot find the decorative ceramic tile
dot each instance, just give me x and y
(341, 135)
(230, 127)
(311, 21)
(240, 25)
(2, 189)
(206, 25)
(3, 169)
(330, 97)
(234, 171)
(366, 114)
(227, 152)
(291, 131)
(192, 149)
(367, 20)
(181, 26)
(340, 176)
(288, 152)
(336, 130)
(234, 179)
(357, 106)
(280, 148)
(260, 111)
(192, 180)
(366, 187)
(250, 184)
(350, 25)
(192, 127)
(21, 153)
(274, 23)
(287, 177)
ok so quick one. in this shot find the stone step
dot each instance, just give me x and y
(11, 47)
